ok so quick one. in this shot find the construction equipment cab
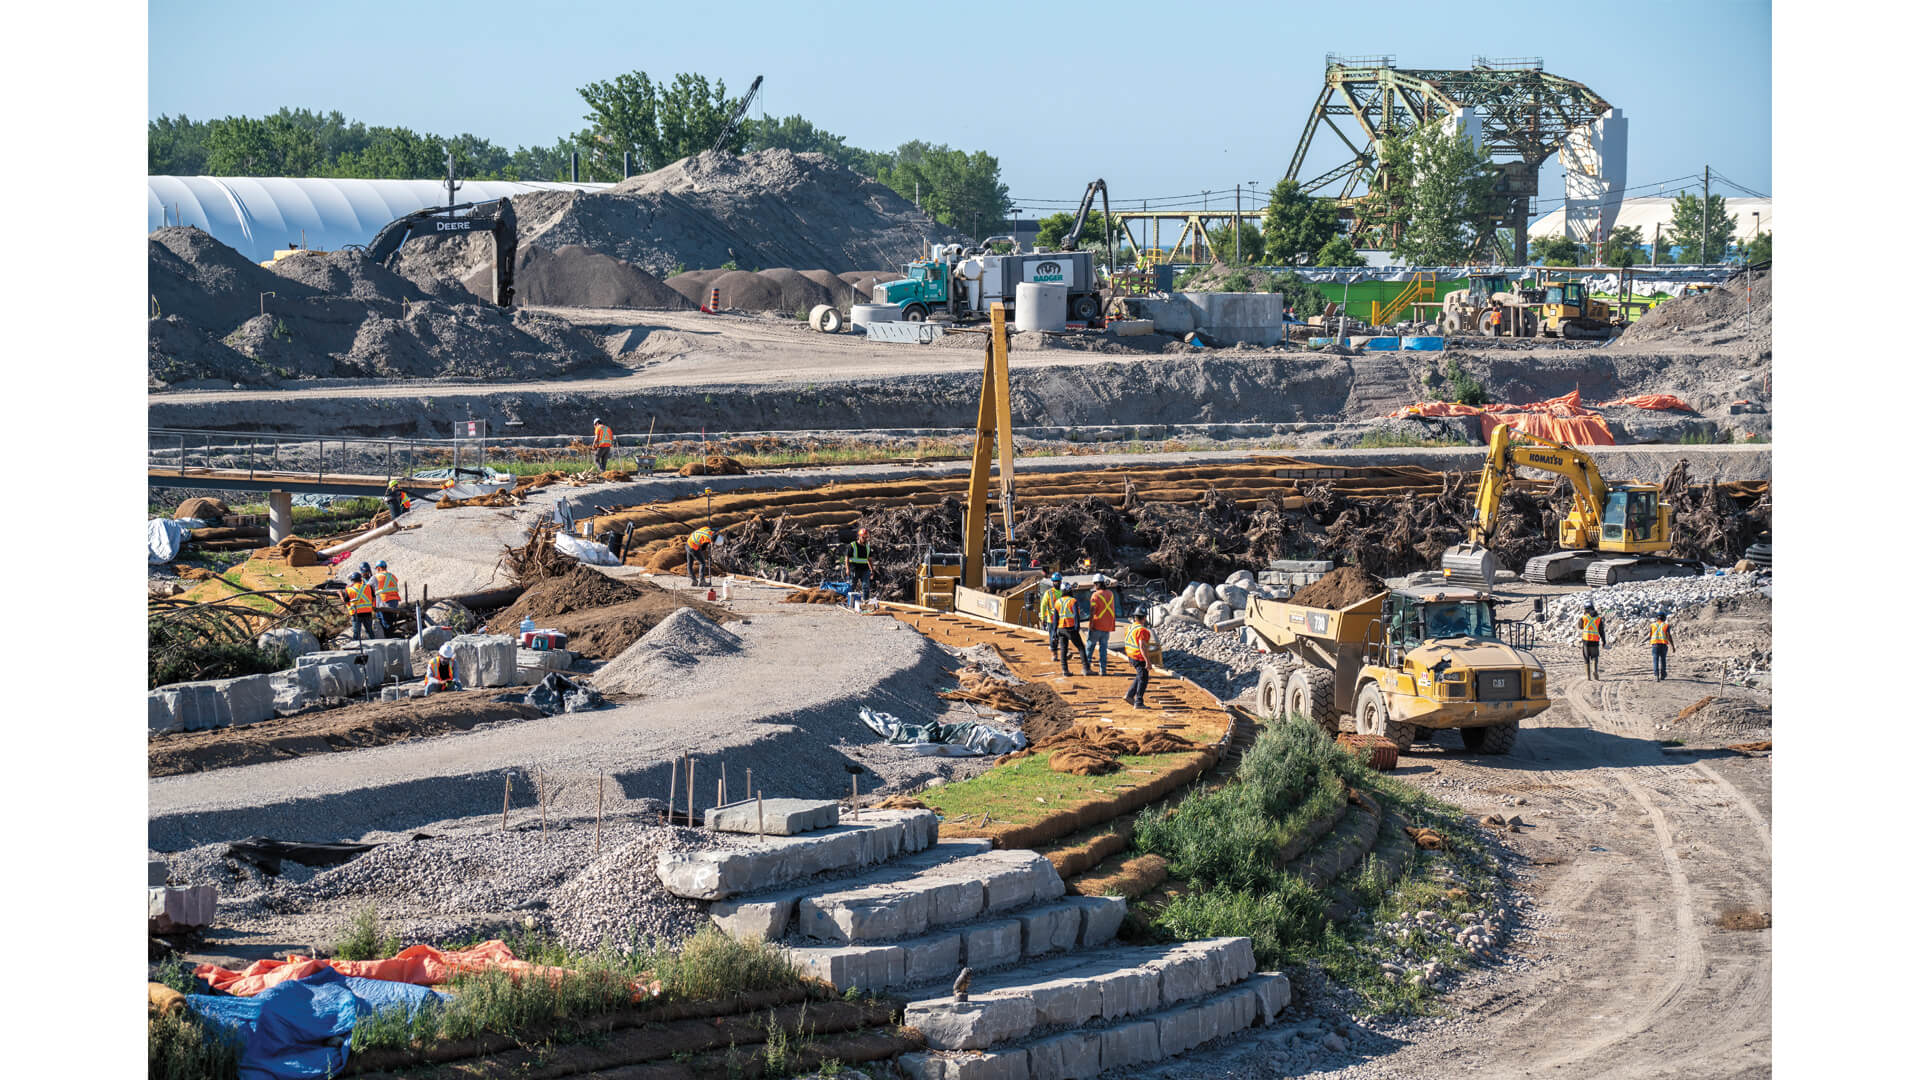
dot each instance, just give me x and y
(1568, 310)
(1472, 309)
(495, 216)
(1402, 664)
(1612, 534)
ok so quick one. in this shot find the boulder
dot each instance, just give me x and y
(1204, 595)
(1234, 594)
(1217, 612)
(431, 638)
(1242, 578)
(450, 613)
(296, 641)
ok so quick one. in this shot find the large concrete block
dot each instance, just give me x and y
(1053, 928)
(871, 914)
(1007, 1065)
(854, 967)
(1100, 918)
(171, 909)
(1126, 1045)
(774, 817)
(771, 861)
(486, 660)
(244, 700)
(1072, 1056)
(1185, 1028)
(1184, 975)
(1064, 1002)
(534, 664)
(296, 641)
(931, 958)
(992, 945)
(1272, 993)
(765, 916)
(1255, 318)
(1011, 879)
(1127, 992)
(971, 1025)
(161, 716)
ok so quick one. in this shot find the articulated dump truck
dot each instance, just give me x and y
(1403, 664)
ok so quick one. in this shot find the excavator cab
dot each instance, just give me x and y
(1633, 519)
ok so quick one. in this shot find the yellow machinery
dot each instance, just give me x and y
(1402, 664)
(1612, 534)
(1570, 311)
(1471, 310)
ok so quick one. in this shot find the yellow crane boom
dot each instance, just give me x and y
(995, 425)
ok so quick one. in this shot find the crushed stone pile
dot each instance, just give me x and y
(765, 209)
(331, 315)
(665, 653)
(575, 276)
(1630, 605)
(1717, 318)
(1226, 666)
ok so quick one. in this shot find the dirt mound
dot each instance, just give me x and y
(665, 652)
(346, 273)
(747, 291)
(862, 282)
(768, 208)
(180, 352)
(714, 465)
(600, 616)
(797, 291)
(694, 285)
(203, 508)
(1346, 585)
(1718, 317)
(349, 727)
(207, 283)
(439, 266)
(575, 276)
(839, 293)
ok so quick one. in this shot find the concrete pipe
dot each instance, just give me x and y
(825, 318)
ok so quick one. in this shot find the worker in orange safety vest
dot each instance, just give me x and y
(441, 674)
(699, 555)
(602, 444)
(359, 601)
(1593, 637)
(1066, 615)
(1137, 640)
(386, 592)
(1660, 636)
(1102, 618)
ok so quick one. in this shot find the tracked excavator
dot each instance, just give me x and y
(1613, 534)
(494, 216)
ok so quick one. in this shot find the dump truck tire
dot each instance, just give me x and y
(1370, 717)
(1310, 694)
(1492, 739)
(1270, 697)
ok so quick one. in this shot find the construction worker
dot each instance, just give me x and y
(1593, 637)
(1102, 618)
(700, 554)
(1067, 618)
(386, 592)
(1048, 617)
(397, 501)
(440, 671)
(359, 601)
(858, 562)
(1660, 636)
(1137, 639)
(1493, 320)
(602, 444)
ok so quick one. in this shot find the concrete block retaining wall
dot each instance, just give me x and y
(486, 660)
(213, 703)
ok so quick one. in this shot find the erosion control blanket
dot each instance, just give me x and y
(1562, 419)
(421, 965)
(301, 1029)
(965, 739)
(1652, 401)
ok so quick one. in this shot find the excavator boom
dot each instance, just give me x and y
(1072, 239)
(995, 425)
(1473, 563)
(495, 216)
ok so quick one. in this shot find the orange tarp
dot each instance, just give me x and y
(421, 965)
(1562, 419)
(1652, 401)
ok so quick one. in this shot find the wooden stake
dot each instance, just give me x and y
(505, 797)
(856, 796)
(673, 792)
(599, 805)
(760, 804)
(723, 781)
(750, 788)
(691, 762)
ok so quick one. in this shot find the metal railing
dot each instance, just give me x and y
(315, 457)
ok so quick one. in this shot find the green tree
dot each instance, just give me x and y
(176, 146)
(1757, 250)
(1302, 295)
(393, 154)
(658, 123)
(958, 189)
(1557, 251)
(1295, 223)
(1338, 251)
(1053, 230)
(241, 146)
(1687, 216)
(1622, 247)
(1439, 186)
(1251, 243)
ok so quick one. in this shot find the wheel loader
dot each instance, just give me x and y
(1471, 310)
(1402, 664)
(1613, 534)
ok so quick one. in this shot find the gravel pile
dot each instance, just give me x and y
(1629, 606)
(663, 657)
(575, 276)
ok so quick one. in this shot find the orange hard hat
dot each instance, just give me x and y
(863, 530)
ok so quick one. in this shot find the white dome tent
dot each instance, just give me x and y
(1644, 213)
(257, 215)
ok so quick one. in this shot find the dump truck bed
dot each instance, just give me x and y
(1280, 622)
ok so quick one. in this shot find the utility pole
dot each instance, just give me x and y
(1706, 202)
(451, 185)
(1653, 257)
(1236, 224)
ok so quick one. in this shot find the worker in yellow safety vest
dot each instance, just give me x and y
(359, 601)
(386, 592)
(1048, 617)
(397, 501)
(1660, 636)
(602, 444)
(1102, 618)
(858, 563)
(441, 674)
(699, 555)
(1067, 617)
(1593, 637)
(1137, 639)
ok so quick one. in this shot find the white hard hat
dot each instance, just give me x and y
(446, 650)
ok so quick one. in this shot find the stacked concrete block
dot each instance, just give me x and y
(296, 641)
(171, 910)
(212, 703)
(772, 861)
(774, 817)
(402, 692)
(767, 916)
(533, 664)
(486, 660)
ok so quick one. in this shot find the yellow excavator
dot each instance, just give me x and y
(1613, 534)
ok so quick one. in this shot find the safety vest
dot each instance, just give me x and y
(1067, 608)
(1102, 604)
(360, 598)
(1658, 631)
(1137, 638)
(1048, 600)
(701, 537)
(439, 669)
(858, 552)
(405, 503)
(387, 585)
(602, 436)
(1589, 628)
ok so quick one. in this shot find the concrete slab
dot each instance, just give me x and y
(486, 660)
(172, 909)
(767, 916)
(1125, 1045)
(972, 1025)
(774, 860)
(1074, 1055)
(774, 817)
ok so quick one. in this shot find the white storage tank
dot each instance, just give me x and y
(872, 313)
(1039, 307)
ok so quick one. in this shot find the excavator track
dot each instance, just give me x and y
(1638, 568)
(1559, 567)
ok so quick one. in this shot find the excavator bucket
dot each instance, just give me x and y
(1470, 564)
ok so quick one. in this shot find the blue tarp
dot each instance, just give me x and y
(300, 1028)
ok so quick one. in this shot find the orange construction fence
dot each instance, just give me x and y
(1562, 419)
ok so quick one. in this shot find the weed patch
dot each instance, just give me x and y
(365, 938)
(181, 1046)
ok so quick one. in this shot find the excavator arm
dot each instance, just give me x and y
(495, 216)
(1072, 239)
(1507, 449)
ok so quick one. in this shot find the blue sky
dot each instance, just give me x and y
(1060, 93)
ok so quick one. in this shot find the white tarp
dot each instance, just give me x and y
(164, 537)
(587, 551)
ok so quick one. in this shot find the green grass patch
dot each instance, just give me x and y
(1024, 791)
(181, 1046)
(1381, 438)
(365, 938)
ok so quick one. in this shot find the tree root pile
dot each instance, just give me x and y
(1709, 521)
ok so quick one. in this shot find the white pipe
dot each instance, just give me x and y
(349, 545)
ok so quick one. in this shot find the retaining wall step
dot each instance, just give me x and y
(944, 895)
(774, 817)
(1078, 989)
(765, 916)
(1128, 1043)
(1076, 922)
(766, 862)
